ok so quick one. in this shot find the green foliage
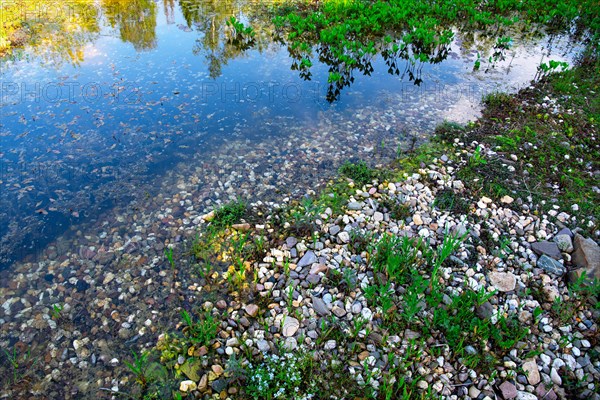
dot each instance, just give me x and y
(552, 66)
(201, 332)
(241, 36)
(229, 214)
(359, 172)
(359, 241)
(20, 364)
(582, 292)
(477, 158)
(139, 367)
(448, 200)
(239, 27)
(397, 210)
(498, 100)
(150, 376)
(449, 130)
(56, 311)
(169, 256)
(462, 327)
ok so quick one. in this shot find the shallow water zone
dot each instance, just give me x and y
(119, 132)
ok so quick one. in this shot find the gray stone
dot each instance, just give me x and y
(484, 311)
(565, 231)
(339, 312)
(354, 205)
(551, 265)
(290, 344)
(308, 258)
(587, 257)
(583, 361)
(343, 237)
(313, 278)
(474, 392)
(555, 377)
(317, 268)
(509, 391)
(548, 248)
(251, 309)
(219, 385)
(522, 395)
(263, 345)
(320, 307)
(564, 241)
(291, 242)
(330, 345)
(460, 230)
(334, 229)
(544, 393)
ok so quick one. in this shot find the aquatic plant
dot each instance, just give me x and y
(20, 363)
(56, 311)
(138, 367)
(169, 256)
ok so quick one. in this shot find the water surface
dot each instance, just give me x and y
(96, 118)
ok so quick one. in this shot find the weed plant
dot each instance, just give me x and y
(201, 332)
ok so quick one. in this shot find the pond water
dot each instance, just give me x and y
(117, 133)
(95, 121)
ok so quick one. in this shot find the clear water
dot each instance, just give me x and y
(156, 92)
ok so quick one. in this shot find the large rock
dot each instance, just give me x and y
(548, 248)
(503, 281)
(551, 265)
(486, 310)
(586, 256)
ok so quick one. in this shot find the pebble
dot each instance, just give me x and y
(187, 386)
(252, 310)
(531, 370)
(290, 326)
(509, 391)
(308, 258)
(555, 377)
(320, 307)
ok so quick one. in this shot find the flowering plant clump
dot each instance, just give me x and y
(278, 377)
